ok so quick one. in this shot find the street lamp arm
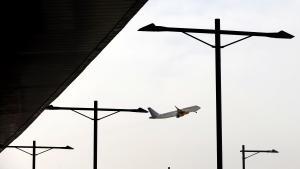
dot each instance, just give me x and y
(23, 151)
(108, 115)
(236, 41)
(213, 45)
(198, 39)
(252, 155)
(82, 114)
(44, 151)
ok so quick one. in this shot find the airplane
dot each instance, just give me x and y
(177, 113)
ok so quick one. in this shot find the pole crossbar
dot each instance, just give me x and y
(153, 28)
(39, 147)
(138, 110)
(261, 151)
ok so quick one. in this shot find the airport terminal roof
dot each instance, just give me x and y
(45, 46)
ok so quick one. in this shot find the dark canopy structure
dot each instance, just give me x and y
(46, 44)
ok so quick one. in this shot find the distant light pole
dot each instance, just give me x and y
(34, 147)
(254, 153)
(217, 32)
(95, 120)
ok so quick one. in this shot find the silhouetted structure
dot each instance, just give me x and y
(46, 45)
(95, 120)
(217, 32)
(34, 147)
(254, 153)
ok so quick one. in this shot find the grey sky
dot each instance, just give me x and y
(142, 69)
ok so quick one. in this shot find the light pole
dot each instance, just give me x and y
(34, 147)
(95, 119)
(217, 32)
(243, 151)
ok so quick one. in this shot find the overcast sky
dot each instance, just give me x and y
(260, 83)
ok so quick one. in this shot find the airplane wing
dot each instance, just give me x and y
(191, 109)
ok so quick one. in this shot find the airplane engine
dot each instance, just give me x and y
(181, 113)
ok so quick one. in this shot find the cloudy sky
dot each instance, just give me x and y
(260, 84)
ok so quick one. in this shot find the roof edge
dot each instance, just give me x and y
(132, 11)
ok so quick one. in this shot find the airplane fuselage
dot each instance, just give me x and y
(164, 116)
(177, 113)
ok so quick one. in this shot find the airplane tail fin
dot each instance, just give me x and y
(153, 113)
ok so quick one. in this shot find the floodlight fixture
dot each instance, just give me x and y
(217, 32)
(68, 147)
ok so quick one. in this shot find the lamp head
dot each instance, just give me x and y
(285, 35)
(281, 34)
(151, 28)
(141, 110)
(50, 107)
(69, 147)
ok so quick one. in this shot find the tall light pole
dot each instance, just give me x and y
(34, 147)
(95, 119)
(254, 152)
(217, 32)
